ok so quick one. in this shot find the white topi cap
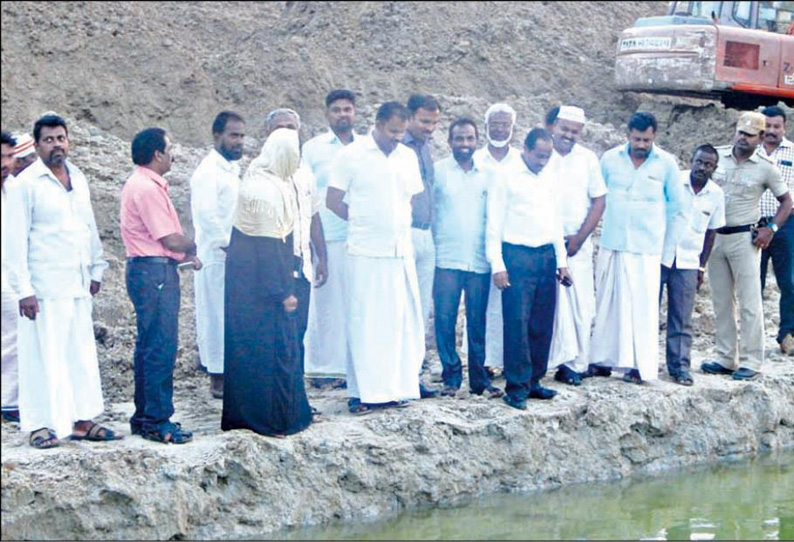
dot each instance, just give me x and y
(24, 146)
(572, 113)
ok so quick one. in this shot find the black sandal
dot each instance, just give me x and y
(168, 433)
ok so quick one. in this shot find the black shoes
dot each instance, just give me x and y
(427, 393)
(597, 370)
(742, 373)
(449, 391)
(539, 392)
(520, 404)
(714, 368)
(566, 375)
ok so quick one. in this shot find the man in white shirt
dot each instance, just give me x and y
(460, 197)
(326, 339)
(10, 371)
(581, 194)
(55, 263)
(780, 151)
(684, 263)
(526, 250)
(308, 232)
(385, 328)
(500, 121)
(213, 196)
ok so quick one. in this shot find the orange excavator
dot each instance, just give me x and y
(741, 53)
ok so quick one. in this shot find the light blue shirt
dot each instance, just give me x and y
(642, 202)
(459, 217)
(317, 154)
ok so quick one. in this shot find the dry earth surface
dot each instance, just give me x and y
(114, 68)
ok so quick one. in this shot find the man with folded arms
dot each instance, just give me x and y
(743, 175)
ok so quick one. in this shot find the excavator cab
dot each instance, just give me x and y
(741, 53)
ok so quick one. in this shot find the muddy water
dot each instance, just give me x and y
(744, 500)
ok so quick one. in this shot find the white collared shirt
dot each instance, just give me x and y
(704, 211)
(512, 160)
(309, 205)
(213, 196)
(318, 154)
(783, 158)
(8, 184)
(580, 180)
(379, 190)
(53, 245)
(522, 210)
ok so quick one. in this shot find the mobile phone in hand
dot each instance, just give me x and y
(567, 282)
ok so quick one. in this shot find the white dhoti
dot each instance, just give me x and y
(326, 338)
(209, 290)
(385, 329)
(10, 375)
(59, 379)
(626, 333)
(494, 330)
(573, 318)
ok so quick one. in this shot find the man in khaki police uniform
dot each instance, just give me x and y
(733, 268)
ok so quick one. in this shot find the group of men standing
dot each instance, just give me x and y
(382, 232)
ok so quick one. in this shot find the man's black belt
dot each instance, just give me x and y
(727, 230)
(421, 225)
(152, 260)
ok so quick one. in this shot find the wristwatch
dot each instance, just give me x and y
(772, 226)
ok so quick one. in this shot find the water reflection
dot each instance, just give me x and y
(746, 500)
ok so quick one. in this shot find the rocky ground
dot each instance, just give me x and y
(114, 68)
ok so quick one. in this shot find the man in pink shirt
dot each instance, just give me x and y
(154, 244)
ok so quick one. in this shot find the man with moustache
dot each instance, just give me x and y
(154, 244)
(500, 121)
(460, 195)
(424, 111)
(10, 371)
(743, 175)
(780, 151)
(644, 201)
(683, 263)
(213, 196)
(379, 177)
(55, 266)
(526, 249)
(581, 193)
(326, 340)
(308, 234)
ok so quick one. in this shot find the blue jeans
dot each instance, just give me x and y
(781, 251)
(528, 312)
(154, 291)
(681, 290)
(447, 287)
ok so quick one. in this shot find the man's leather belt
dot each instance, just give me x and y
(421, 225)
(727, 230)
(152, 259)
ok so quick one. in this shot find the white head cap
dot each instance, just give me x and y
(24, 146)
(500, 108)
(572, 113)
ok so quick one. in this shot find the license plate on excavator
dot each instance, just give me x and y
(640, 44)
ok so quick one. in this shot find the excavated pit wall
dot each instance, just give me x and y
(239, 484)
